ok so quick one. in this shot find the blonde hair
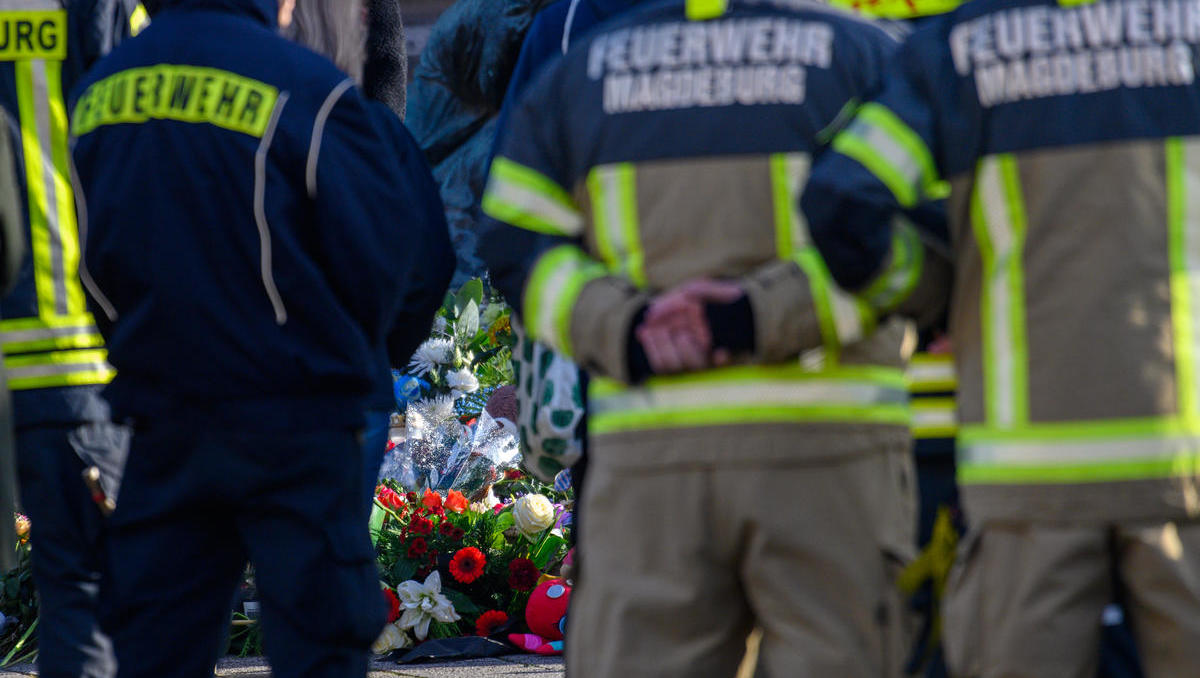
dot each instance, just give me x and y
(336, 29)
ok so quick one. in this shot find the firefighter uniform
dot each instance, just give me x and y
(672, 144)
(53, 354)
(1072, 165)
(260, 236)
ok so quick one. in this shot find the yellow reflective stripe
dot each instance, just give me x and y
(18, 324)
(905, 9)
(54, 342)
(66, 232)
(931, 373)
(842, 318)
(192, 94)
(1077, 452)
(554, 285)
(33, 34)
(751, 394)
(934, 417)
(62, 368)
(899, 279)
(138, 20)
(998, 220)
(893, 152)
(35, 178)
(1183, 243)
(701, 10)
(525, 198)
(613, 192)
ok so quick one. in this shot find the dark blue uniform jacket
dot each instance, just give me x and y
(260, 236)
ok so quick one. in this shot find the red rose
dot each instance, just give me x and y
(389, 499)
(467, 565)
(489, 622)
(512, 474)
(411, 497)
(456, 501)
(417, 547)
(421, 525)
(431, 500)
(523, 574)
(393, 603)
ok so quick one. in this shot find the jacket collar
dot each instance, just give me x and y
(266, 11)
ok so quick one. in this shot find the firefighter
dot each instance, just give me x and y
(748, 422)
(260, 237)
(1071, 165)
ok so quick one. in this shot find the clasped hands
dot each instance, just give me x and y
(676, 334)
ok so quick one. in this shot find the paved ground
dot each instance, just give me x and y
(515, 666)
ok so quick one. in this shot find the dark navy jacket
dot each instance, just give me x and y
(260, 235)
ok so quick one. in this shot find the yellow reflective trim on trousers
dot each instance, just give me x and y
(934, 417)
(701, 10)
(1183, 244)
(600, 424)
(613, 191)
(35, 181)
(67, 231)
(998, 222)
(1110, 471)
(931, 373)
(33, 34)
(554, 285)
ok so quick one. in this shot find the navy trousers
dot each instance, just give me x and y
(196, 504)
(67, 535)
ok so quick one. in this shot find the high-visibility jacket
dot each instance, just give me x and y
(53, 353)
(1069, 135)
(663, 148)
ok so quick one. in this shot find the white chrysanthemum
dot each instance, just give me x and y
(424, 603)
(439, 325)
(462, 381)
(431, 355)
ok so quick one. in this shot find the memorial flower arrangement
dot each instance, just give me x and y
(452, 568)
(18, 605)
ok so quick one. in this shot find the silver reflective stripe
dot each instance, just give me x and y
(891, 150)
(260, 212)
(85, 275)
(924, 416)
(30, 4)
(568, 221)
(735, 394)
(318, 134)
(930, 372)
(44, 333)
(998, 327)
(1099, 449)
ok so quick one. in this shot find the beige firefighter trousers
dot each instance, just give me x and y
(678, 564)
(1025, 600)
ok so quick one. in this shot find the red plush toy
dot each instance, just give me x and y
(546, 614)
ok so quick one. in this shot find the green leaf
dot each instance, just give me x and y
(462, 603)
(376, 525)
(504, 521)
(403, 570)
(472, 290)
(547, 550)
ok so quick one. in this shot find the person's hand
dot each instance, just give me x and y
(675, 333)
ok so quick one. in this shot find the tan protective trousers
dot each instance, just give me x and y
(679, 564)
(1025, 600)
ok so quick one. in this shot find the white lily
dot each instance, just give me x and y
(423, 603)
(392, 638)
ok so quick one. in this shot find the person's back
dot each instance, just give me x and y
(657, 152)
(229, 180)
(1068, 136)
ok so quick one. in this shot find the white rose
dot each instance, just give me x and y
(533, 513)
(392, 638)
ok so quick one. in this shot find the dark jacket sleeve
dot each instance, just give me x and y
(378, 219)
(104, 24)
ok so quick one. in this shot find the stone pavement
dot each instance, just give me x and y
(511, 666)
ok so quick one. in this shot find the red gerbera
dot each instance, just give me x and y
(446, 528)
(523, 574)
(421, 525)
(467, 565)
(393, 603)
(458, 534)
(417, 547)
(489, 622)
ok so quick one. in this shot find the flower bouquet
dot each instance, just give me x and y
(18, 605)
(452, 568)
